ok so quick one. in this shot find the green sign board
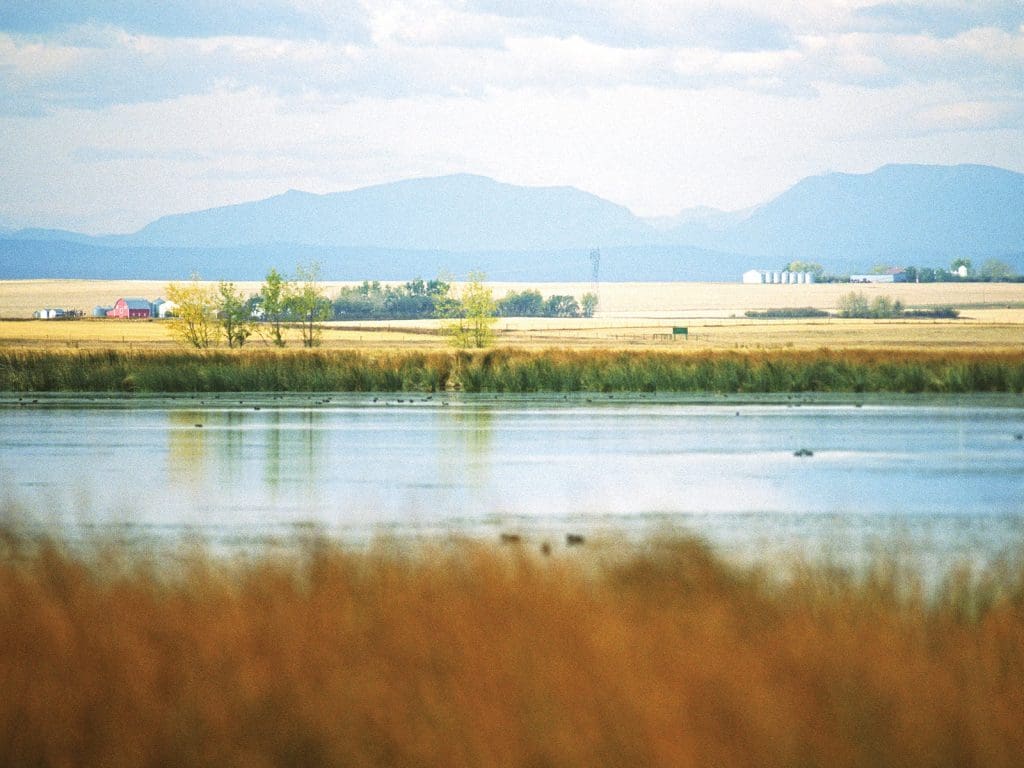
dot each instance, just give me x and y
(680, 331)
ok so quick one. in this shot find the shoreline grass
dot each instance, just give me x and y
(511, 370)
(466, 654)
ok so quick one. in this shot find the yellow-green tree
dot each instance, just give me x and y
(309, 304)
(275, 295)
(234, 314)
(474, 327)
(195, 307)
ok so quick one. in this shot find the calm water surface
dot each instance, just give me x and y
(947, 475)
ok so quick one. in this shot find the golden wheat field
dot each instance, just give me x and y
(20, 298)
(630, 314)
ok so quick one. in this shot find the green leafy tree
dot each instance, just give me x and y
(195, 306)
(588, 304)
(528, 303)
(996, 270)
(275, 295)
(884, 306)
(561, 306)
(234, 313)
(308, 303)
(475, 325)
(854, 304)
(446, 306)
(372, 301)
(359, 302)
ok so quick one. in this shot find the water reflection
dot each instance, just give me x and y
(302, 458)
(186, 443)
(223, 454)
(465, 437)
(272, 453)
(465, 463)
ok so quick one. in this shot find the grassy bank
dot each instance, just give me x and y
(509, 370)
(469, 654)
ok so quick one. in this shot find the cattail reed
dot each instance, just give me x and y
(511, 370)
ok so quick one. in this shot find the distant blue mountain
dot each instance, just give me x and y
(453, 213)
(53, 235)
(899, 214)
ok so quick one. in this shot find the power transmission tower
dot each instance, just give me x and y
(595, 274)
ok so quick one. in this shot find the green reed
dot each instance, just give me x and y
(510, 370)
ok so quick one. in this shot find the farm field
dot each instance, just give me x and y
(979, 329)
(20, 298)
(630, 314)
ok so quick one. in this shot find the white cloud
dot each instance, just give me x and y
(735, 25)
(432, 47)
(189, 18)
(938, 18)
(111, 121)
(433, 23)
(969, 115)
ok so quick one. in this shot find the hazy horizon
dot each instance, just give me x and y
(113, 116)
(5, 223)
(691, 214)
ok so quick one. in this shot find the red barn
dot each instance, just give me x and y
(130, 308)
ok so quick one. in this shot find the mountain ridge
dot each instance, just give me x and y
(461, 212)
(898, 214)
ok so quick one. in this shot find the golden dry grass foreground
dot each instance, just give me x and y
(460, 654)
(630, 314)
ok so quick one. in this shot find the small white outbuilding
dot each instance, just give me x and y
(753, 276)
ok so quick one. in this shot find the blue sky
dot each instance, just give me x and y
(113, 113)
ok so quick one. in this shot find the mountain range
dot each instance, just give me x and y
(898, 215)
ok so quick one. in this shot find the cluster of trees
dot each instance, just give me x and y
(960, 270)
(412, 301)
(420, 300)
(785, 313)
(530, 303)
(203, 315)
(470, 317)
(858, 305)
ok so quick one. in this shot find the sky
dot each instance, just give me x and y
(114, 113)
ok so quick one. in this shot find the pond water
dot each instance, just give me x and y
(947, 476)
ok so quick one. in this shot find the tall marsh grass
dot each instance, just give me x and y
(511, 370)
(466, 654)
